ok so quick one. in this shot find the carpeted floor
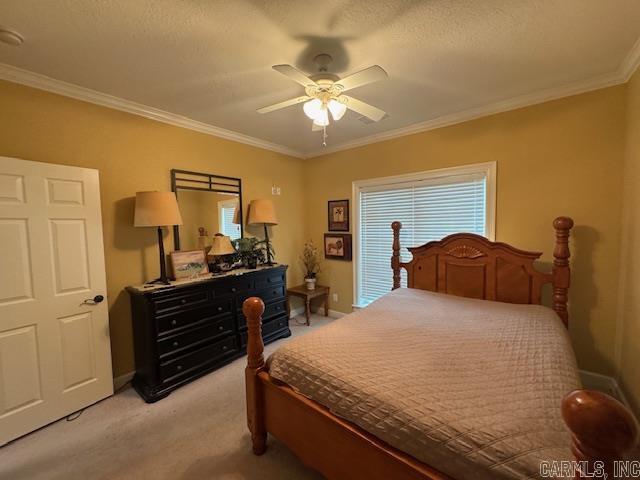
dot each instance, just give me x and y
(197, 432)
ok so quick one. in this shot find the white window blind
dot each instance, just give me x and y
(227, 227)
(429, 209)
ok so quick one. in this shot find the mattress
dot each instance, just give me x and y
(470, 387)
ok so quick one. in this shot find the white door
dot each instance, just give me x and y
(55, 355)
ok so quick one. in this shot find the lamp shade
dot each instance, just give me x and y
(156, 209)
(221, 246)
(262, 211)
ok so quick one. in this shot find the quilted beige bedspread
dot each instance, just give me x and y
(470, 387)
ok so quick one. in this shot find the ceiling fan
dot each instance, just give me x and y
(324, 93)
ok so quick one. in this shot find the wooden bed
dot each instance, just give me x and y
(464, 265)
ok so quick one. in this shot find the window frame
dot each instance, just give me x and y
(488, 169)
(222, 204)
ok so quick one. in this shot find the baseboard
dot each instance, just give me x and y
(603, 383)
(336, 314)
(122, 380)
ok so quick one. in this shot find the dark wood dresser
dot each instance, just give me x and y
(186, 330)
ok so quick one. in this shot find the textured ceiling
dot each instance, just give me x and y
(210, 60)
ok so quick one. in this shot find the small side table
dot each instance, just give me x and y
(302, 292)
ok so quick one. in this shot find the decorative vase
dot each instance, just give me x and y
(311, 283)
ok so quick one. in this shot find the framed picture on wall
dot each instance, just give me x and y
(338, 215)
(337, 246)
(189, 264)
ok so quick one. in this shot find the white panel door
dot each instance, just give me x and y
(55, 355)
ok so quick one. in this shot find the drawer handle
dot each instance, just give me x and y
(219, 309)
(174, 322)
(278, 308)
(175, 344)
(178, 367)
(221, 327)
(275, 292)
(233, 289)
(183, 301)
(225, 348)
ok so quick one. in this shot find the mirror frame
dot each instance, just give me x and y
(205, 182)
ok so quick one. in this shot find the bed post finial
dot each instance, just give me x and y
(561, 272)
(602, 430)
(395, 257)
(253, 308)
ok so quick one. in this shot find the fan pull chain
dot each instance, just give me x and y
(324, 136)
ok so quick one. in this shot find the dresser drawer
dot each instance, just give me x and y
(270, 328)
(270, 311)
(271, 278)
(237, 285)
(179, 301)
(275, 326)
(181, 319)
(202, 334)
(267, 295)
(197, 359)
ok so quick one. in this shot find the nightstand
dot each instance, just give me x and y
(302, 292)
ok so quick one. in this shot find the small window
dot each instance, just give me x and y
(430, 205)
(226, 212)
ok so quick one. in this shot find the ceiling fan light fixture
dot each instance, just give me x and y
(322, 119)
(312, 108)
(337, 109)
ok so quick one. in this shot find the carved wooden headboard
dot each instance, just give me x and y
(469, 265)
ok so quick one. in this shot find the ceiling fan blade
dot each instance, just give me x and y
(294, 74)
(363, 77)
(286, 103)
(362, 108)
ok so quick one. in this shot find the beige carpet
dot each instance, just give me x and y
(197, 432)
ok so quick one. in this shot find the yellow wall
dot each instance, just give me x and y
(629, 334)
(559, 158)
(133, 154)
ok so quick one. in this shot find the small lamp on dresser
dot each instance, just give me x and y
(262, 212)
(220, 248)
(157, 209)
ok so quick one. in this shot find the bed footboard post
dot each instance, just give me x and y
(253, 308)
(395, 257)
(561, 272)
(602, 429)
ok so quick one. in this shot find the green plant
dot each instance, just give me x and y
(310, 260)
(250, 248)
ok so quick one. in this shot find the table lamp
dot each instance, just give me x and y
(262, 212)
(157, 209)
(221, 246)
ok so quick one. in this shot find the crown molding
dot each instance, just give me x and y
(627, 68)
(479, 112)
(42, 82)
(631, 62)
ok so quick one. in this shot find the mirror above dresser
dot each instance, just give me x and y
(209, 204)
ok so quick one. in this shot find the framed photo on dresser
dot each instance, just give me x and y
(338, 211)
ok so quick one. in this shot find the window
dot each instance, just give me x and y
(430, 205)
(226, 211)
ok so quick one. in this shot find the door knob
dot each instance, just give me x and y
(94, 301)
